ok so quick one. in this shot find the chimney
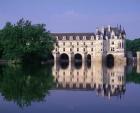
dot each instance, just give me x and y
(103, 30)
(97, 29)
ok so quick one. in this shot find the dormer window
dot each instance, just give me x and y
(92, 37)
(88, 38)
(77, 37)
(71, 37)
(84, 37)
(64, 37)
(81, 38)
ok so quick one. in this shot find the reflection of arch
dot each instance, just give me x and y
(110, 60)
(64, 57)
(78, 65)
(88, 57)
(78, 57)
(88, 60)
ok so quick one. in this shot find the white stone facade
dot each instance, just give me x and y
(107, 40)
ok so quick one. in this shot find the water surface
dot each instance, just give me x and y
(71, 88)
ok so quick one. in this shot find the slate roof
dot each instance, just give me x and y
(60, 35)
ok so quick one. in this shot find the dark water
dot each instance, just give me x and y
(70, 88)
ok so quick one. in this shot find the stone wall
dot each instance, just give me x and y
(138, 62)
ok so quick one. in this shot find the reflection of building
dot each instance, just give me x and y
(107, 82)
(108, 40)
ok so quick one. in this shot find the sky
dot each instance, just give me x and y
(74, 15)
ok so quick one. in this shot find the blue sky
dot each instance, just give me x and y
(75, 15)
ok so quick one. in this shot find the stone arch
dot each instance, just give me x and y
(110, 60)
(64, 61)
(78, 57)
(78, 65)
(78, 60)
(63, 65)
(64, 57)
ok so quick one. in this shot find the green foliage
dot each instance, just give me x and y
(133, 45)
(25, 84)
(25, 40)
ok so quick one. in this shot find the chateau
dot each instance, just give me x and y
(107, 41)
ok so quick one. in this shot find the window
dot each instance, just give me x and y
(70, 49)
(112, 42)
(56, 49)
(77, 73)
(91, 49)
(91, 43)
(71, 37)
(63, 49)
(77, 37)
(84, 49)
(63, 43)
(64, 37)
(77, 49)
(84, 43)
(112, 49)
(112, 80)
(77, 43)
(70, 43)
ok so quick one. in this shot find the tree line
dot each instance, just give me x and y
(24, 41)
(133, 45)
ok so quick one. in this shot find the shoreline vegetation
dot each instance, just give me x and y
(24, 42)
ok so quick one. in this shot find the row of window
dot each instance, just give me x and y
(77, 43)
(76, 38)
(85, 37)
(71, 49)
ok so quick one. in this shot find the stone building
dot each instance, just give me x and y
(107, 41)
(138, 61)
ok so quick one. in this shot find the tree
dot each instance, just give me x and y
(25, 40)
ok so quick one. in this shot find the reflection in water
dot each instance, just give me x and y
(106, 81)
(25, 84)
(133, 75)
(110, 61)
(78, 65)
